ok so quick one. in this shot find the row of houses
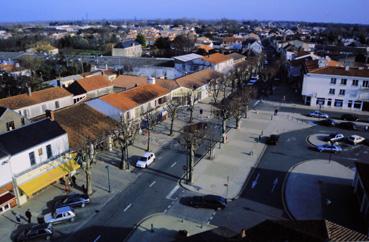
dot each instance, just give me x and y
(55, 122)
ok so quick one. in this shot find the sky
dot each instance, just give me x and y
(338, 11)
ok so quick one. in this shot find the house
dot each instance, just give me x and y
(10, 120)
(126, 82)
(34, 104)
(237, 58)
(82, 123)
(129, 48)
(187, 63)
(40, 159)
(281, 230)
(361, 189)
(90, 87)
(337, 87)
(132, 104)
(255, 47)
(195, 84)
(219, 62)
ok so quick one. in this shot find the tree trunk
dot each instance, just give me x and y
(191, 158)
(191, 115)
(148, 139)
(224, 128)
(238, 122)
(88, 178)
(123, 157)
(171, 124)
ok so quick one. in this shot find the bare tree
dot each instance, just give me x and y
(86, 155)
(235, 107)
(172, 108)
(245, 95)
(214, 88)
(151, 121)
(191, 104)
(125, 135)
(191, 139)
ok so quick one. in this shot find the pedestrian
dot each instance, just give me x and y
(28, 215)
(74, 182)
(18, 218)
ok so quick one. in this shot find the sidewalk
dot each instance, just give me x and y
(165, 228)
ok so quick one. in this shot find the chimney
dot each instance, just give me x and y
(50, 114)
(151, 80)
(29, 91)
(347, 68)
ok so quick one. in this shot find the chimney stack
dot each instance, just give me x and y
(29, 91)
(151, 80)
(50, 114)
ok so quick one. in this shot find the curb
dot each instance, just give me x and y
(138, 224)
(285, 207)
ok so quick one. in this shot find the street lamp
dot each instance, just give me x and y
(107, 169)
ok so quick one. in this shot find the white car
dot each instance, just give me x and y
(355, 139)
(145, 160)
(336, 137)
(318, 114)
(60, 215)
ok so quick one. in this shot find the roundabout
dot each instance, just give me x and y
(318, 139)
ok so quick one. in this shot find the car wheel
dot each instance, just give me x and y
(83, 205)
(145, 166)
(72, 219)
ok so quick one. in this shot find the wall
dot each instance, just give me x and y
(8, 116)
(20, 162)
(156, 71)
(99, 92)
(133, 51)
(105, 108)
(37, 110)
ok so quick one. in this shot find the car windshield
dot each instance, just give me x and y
(143, 158)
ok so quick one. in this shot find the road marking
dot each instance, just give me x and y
(97, 238)
(170, 194)
(275, 183)
(255, 182)
(128, 206)
(353, 159)
(152, 184)
(175, 163)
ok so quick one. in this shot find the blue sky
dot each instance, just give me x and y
(344, 11)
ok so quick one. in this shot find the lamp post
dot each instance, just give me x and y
(107, 169)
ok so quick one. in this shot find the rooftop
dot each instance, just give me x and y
(89, 84)
(24, 100)
(197, 79)
(128, 81)
(216, 58)
(30, 136)
(188, 57)
(341, 71)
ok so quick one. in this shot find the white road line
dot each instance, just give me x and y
(97, 238)
(170, 194)
(128, 206)
(152, 184)
(275, 183)
(255, 182)
(175, 163)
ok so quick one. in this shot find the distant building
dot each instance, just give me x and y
(337, 87)
(10, 120)
(128, 48)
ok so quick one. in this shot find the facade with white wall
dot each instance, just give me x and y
(337, 87)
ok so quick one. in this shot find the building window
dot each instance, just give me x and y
(23, 121)
(43, 107)
(10, 125)
(49, 152)
(25, 113)
(329, 102)
(32, 158)
(357, 104)
(342, 92)
(333, 80)
(355, 82)
(40, 152)
(365, 83)
(343, 81)
(320, 101)
(332, 91)
(338, 102)
(57, 104)
(349, 104)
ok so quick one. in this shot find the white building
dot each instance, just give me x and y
(337, 87)
(31, 158)
(33, 104)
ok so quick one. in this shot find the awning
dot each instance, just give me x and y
(36, 184)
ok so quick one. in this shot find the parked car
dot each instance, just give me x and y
(272, 140)
(347, 125)
(349, 117)
(329, 148)
(355, 139)
(35, 231)
(145, 160)
(60, 215)
(73, 200)
(327, 122)
(318, 114)
(336, 137)
(208, 201)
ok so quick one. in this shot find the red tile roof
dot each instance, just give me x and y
(94, 82)
(341, 71)
(24, 100)
(128, 81)
(216, 58)
(197, 79)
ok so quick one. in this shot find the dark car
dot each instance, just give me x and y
(208, 201)
(272, 140)
(35, 231)
(347, 125)
(73, 200)
(327, 122)
(349, 117)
